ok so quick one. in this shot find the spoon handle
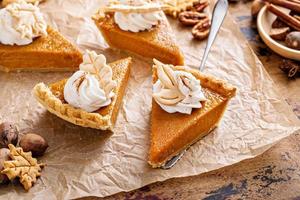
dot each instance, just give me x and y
(218, 16)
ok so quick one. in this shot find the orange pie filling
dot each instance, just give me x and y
(85, 104)
(37, 47)
(50, 53)
(120, 30)
(171, 133)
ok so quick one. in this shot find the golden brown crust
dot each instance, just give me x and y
(54, 104)
(218, 85)
(76, 116)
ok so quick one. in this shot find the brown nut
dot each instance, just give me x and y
(201, 30)
(8, 134)
(4, 156)
(279, 24)
(201, 5)
(290, 67)
(279, 33)
(34, 143)
(293, 40)
(191, 18)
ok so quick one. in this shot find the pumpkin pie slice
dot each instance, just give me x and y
(157, 42)
(171, 133)
(46, 53)
(53, 99)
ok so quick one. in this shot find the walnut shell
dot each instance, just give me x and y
(34, 143)
(9, 134)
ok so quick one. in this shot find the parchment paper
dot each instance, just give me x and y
(85, 162)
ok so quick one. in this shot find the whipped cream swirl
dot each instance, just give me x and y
(20, 23)
(176, 91)
(92, 86)
(137, 21)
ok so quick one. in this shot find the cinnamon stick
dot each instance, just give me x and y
(295, 1)
(290, 4)
(286, 18)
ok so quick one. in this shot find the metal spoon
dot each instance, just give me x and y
(218, 16)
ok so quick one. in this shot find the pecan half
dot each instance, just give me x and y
(191, 18)
(201, 5)
(201, 30)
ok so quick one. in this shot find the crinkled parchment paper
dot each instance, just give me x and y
(85, 162)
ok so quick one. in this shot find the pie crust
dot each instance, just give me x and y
(171, 133)
(51, 97)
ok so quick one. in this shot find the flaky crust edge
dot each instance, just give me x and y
(75, 116)
(220, 86)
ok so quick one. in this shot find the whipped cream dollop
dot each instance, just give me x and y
(137, 21)
(20, 23)
(92, 86)
(177, 91)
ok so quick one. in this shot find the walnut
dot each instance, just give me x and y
(9, 134)
(201, 5)
(201, 30)
(191, 18)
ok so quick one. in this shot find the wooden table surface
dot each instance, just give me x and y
(273, 175)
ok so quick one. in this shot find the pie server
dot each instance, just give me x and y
(218, 16)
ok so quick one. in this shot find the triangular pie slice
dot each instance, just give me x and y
(159, 42)
(46, 53)
(52, 98)
(173, 132)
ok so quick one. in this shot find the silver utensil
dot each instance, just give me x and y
(218, 17)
